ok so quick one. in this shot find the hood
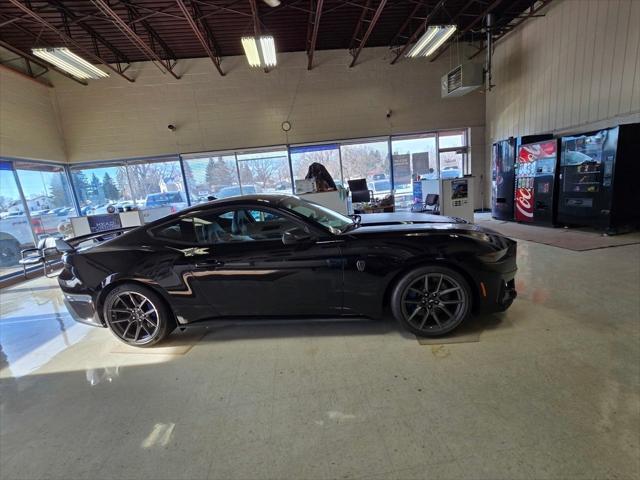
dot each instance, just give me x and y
(403, 218)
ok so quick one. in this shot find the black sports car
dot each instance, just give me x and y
(280, 256)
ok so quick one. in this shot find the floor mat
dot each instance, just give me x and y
(567, 238)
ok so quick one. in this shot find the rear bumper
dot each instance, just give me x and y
(82, 309)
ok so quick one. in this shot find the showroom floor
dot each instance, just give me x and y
(550, 390)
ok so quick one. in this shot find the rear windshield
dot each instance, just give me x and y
(163, 198)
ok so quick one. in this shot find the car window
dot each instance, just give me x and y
(240, 225)
(230, 226)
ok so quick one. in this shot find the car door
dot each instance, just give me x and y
(244, 268)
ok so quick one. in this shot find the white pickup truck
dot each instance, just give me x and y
(15, 234)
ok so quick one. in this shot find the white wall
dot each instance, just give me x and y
(29, 124)
(116, 119)
(575, 69)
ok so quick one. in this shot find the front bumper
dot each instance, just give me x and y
(82, 309)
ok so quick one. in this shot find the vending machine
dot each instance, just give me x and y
(503, 179)
(599, 174)
(503, 174)
(536, 184)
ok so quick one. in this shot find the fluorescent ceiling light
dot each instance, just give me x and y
(268, 51)
(251, 51)
(431, 40)
(66, 60)
(260, 53)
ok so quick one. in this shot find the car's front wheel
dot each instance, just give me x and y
(431, 300)
(137, 316)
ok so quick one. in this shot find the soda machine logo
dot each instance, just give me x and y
(524, 204)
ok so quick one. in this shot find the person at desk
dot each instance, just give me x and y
(319, 173)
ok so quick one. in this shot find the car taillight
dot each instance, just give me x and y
(38, 229)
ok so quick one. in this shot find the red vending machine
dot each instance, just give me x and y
(536, 184)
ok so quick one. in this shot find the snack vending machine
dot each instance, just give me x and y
(536, 184)
(599, 174)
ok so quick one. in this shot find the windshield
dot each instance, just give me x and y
(334, 221)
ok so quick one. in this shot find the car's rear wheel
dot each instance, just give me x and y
(137, 316)
(431, 300)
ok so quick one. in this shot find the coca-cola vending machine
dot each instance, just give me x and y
(536, 182)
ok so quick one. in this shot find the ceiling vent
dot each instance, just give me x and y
(462, 80)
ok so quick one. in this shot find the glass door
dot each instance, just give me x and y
(412, 156)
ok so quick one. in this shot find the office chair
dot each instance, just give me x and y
(360, 192)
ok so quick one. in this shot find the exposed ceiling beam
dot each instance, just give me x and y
(407, 22)
(66, 12)
(532, 14)
(106, 9)
(68, 40)
(372, 23)
(314, 25)
(415, 34)
(32, 58)
(207, 43)
(475, 21)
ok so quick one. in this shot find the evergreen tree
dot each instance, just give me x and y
(109, 188)
(82, 186)
(210, 173)
(59, 192)
(96, 188)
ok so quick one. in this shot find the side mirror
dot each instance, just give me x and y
(296, 236)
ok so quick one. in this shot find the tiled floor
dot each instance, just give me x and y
(551, 390)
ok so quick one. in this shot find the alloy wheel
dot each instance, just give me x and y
(133, 317)
(433, 302)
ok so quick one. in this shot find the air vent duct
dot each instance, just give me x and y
(462, 80)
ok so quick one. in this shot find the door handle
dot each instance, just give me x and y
(209, 264)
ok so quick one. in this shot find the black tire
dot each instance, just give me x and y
(444, 305)
(137, 315)
(9, 252)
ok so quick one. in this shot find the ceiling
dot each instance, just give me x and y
(123, 31)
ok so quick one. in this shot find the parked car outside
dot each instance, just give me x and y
(176, 200)
(450, 172)
(234, 191)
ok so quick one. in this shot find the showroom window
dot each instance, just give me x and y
(157, 183)
(368, 160)
(98, 188)
(264, 171)
(48, 196)
(304, 155)
(210, 174)
(15, 232)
